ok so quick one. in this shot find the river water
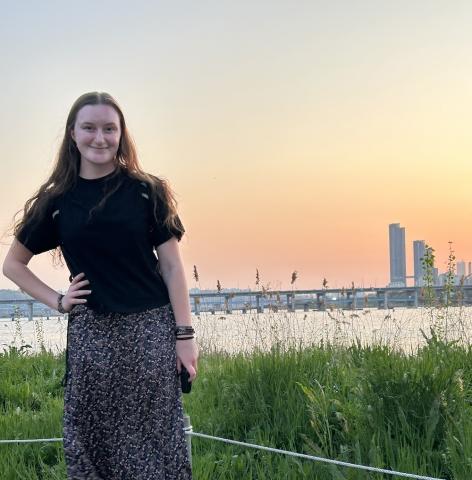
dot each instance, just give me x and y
(399, 328)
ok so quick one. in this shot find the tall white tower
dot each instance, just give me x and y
(397, 255)
(419, 250)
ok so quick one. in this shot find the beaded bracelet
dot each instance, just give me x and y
(184, 329)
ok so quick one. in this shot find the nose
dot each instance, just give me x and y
(99, 138)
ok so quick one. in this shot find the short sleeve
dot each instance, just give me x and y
(40, 235)
(159, 233)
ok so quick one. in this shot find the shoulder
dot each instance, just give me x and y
(147, 189)
(131, 179)
(48, 203)
(140, 187)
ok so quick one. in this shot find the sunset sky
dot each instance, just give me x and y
(292, 133)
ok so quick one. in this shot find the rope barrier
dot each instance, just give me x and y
(269, 449)
(32, 440)
(316, 459)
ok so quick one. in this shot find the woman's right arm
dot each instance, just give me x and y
(15, 267)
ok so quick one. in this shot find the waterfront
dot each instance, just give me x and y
(400, 328)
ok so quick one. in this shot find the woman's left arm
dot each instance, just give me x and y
(172, 271)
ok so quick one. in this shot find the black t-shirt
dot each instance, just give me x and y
(115, 248)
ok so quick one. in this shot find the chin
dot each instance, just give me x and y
(100, 161)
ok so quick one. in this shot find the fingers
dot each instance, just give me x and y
(76, 301)
(78, 281)
(76, 284)
(192, 372)
(80, 284)
(76, 290)
(76, 293)
(191, 368)
(77, 277)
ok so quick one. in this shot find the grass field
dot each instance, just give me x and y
(363, 402)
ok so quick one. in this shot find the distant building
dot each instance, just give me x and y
(460, 268)
(397, 255)
(470, 269)
(419, 250)
(442, 279)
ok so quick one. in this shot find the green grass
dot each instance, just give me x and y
(31, 403)
(369, 405)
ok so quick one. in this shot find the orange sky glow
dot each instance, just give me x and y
(292, 137)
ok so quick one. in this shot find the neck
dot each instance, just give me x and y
(90, 172)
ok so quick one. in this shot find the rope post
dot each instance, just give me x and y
(258, 304)
(188, 430)
(228, 304)
(30, 311)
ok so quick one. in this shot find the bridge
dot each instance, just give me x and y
(289, 300)
(352, 299)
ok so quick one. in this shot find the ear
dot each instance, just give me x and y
(72, 134)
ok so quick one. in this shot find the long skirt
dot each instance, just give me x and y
(123, 415)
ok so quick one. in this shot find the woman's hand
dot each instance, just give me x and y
(69, 300)
(187, 355)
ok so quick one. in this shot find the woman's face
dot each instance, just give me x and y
(97, 134)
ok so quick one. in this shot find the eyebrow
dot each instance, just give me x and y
(106, 124)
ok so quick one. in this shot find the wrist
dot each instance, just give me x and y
(184, 332)
(183, 329)
(60, 307)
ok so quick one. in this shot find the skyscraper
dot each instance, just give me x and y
(419, 250)
(460, 268)
(397, 255)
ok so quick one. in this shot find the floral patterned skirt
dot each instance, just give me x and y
(123, 415)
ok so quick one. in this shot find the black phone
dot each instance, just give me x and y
(184, 383)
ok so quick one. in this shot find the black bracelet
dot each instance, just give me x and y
(187, 334)
(185, 338)
(184, 329)
(60, 308)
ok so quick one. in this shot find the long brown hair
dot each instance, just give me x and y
(67, 165)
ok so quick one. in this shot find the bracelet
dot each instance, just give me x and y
(184, 330)
(184, 327)
(185, 338)
(60, 308)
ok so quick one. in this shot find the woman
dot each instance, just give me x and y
(129, 326)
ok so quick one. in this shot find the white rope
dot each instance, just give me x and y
(316, 459)
(269, 449)
(32, 440)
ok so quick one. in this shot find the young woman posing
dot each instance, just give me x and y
(129, 319)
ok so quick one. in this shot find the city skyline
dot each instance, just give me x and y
(398, 265)
(398, 269)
